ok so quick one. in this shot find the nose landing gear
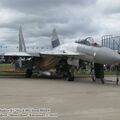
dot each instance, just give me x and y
(117, 74)
(28, 73)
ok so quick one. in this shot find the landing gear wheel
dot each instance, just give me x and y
(117, 74)
(102, 80)
(71, 78)
(71, 75)
(92, 73)
(28, 73)
(117, 81)
(93, 78)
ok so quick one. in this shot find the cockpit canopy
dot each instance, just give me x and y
(88, 41)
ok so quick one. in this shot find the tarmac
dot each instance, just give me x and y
(60, 99)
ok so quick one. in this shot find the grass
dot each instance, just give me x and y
(7, 67)
(110, 72)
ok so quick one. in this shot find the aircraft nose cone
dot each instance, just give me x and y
(118, 57)
(107, 56)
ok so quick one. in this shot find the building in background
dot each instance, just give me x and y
(112, 42)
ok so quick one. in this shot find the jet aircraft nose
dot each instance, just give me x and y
(117, 57)
(107, 56)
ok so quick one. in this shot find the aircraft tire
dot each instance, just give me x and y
(70, 74)
(102, 81)
(71, 78)
(28, 73)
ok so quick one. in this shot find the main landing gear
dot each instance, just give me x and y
(65, 70)
(70, 74)
(28, 73)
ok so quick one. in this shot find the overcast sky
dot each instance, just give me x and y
(73, 19)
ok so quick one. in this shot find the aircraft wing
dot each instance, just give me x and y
(61, 53)
(16, 54)
(46, 53)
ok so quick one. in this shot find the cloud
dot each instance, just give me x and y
(38, 4)
(109, 6)
(73, 19)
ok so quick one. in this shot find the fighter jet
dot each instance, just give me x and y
(65, 57)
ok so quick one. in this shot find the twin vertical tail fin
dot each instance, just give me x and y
(55, 39)
(22, 47)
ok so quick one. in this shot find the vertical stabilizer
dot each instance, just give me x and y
(22, 47)
(55, 39)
